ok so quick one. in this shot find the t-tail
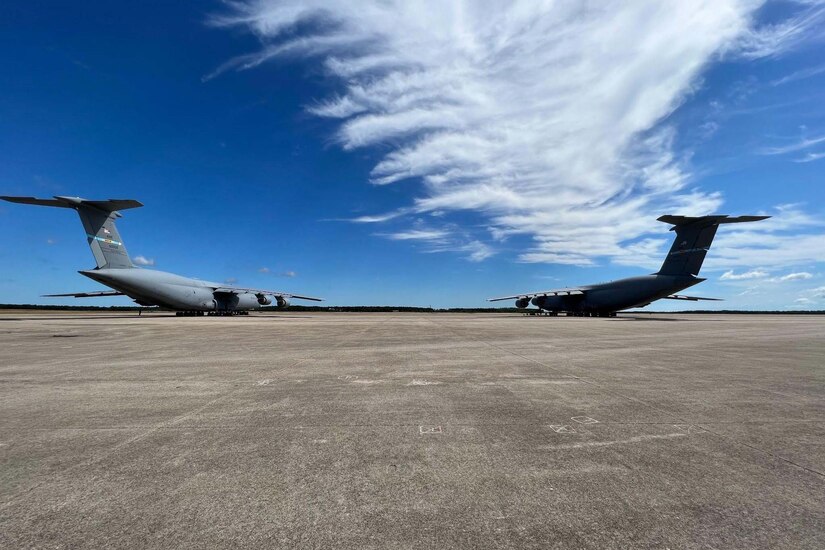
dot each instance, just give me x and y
(693, 239)
(98, 219)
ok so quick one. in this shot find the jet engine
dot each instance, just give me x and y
(282, 302)
(263, 299)
(522, 303)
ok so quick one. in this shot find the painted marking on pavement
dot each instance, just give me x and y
(562, 429)
(427, 430)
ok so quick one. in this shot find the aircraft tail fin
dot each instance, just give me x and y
(98, 218)
(694, 236)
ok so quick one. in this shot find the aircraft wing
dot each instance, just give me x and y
(556, 292)
(691, 298)
(96, 294)
(236, 290)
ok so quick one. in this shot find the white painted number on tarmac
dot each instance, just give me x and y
(426, 430)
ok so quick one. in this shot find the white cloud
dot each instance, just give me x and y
(753, 274)
(800, 276)
(418, 234)
(548, 118)
(143, 260)
(267, 271)
(230, 280)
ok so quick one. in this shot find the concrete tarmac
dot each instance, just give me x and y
(295, 430)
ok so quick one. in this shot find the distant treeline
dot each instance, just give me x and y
(397, 309)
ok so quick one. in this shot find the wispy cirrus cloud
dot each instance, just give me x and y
(444, 240)
(799, 75)
(549, 119)
(775, 39)
(810, 157)
(793, 147)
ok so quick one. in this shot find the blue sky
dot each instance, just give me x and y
(426, 153)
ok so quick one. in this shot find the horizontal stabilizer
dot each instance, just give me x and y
(708, 220)
(97, 294)
(691, 298)
(38, 202)
(110, 205)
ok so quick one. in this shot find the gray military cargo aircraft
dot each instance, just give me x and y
(680, 270)
(148, 287)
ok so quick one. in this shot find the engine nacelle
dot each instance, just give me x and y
(263, 299)
(282, 302)
(522, 303)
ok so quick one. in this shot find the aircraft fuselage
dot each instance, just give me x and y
(618, 295)
(169, 291)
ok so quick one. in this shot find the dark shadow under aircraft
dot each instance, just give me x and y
(148, 287)
(680, 270)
